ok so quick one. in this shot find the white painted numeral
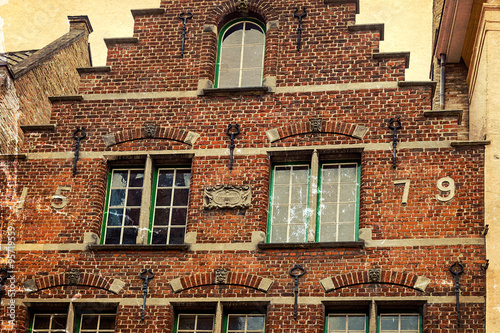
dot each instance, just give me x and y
(59, 201)
(446, 184)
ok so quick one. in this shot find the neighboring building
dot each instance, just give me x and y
(468, 38)
(251, 170)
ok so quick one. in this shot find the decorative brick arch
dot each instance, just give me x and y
(262, 7)
(353, 130)
(175, 134)
(85, 279)
(209, 278)
(408, 280)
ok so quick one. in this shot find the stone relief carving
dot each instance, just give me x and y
(149, 130)
(374, 275)
(316, 125)
(227, 196)
(243, 6)
(221, 276)
(73, 276)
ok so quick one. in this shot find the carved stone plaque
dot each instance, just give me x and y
(316, 125)
(149, 130)
(73, 276)
(221, 276)
(374, 275)
(227, 196)
(243, 6)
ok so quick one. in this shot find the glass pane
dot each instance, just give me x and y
(233, 35)
(280, 214)
(328, 233)
(134, 197)
(236, 322)
(115, 217)
(255, 323)
(117, 198)
(89, 321)
(113, 236)
(282, 175)
(299, 194)
(107, 322)
(298, 214)
(166, 178)
(328, 213)
(187, 322)
(230, 58)
(254, 34)
(183, 178)
(297, 233)
(356, 322)
(177, 235)
(329, 193)
(119, 178)
(281, 195)
(346, 231)
(300, 175)
(409, 322)
(278, 234)
(59, 322)
(348, 173)
(136, 178)
(347, 192)
(129, 235)
(205, 323)
(179, 216)
(41, 321)
(253, 56)
(162, 216)
(229, 78)
(347, 212)
(159, 235)
(251, 78)
(389, 323)
(330, 173)
(181, 197)
(163, 197)
(132, 217)
(337, 323)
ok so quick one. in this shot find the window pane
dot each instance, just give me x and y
(129, 235)
(177, 235)
(159, 236)
(136, 178)
(348, 173)
(41, 321)
(356, 323)
(183, 178)
(181, 197)
(328, 233)
(187, 322)
(115, 217)
(166, 178)
(300, 174)
(113, 236)
(236, 323)
(297, 233)
(299, 194)
(119, 179)
(278, 234)
(233, 35)
(59, 322)
(282, 175)
(230, 58)
(254, 34)
(205, 323)
(89, 321)
(251, 78)
(328, 213)
(229, 78)
(409, 323)
(162, 216)
(329, 192)
(347, 212)
(132, 217)
(107, 322)
(337, 323)
(253, 56)
(346, 232)
(179, 216)
(134, 197)
(164, 197)
(280, 214)
(389, 323)
(117, 198)
(347, 192)
(255, 323)
(281, 195)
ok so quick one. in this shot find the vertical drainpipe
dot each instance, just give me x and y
(443, 80)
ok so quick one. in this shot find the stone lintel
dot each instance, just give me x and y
(176, 285)
(120, 40)
(38, 128)
(98, 69)
(55, 99)
(265, 284)
(117, 286)
(327, 284)
(147, 11)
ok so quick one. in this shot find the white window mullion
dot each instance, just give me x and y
(142, 235)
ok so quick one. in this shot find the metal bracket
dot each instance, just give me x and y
(394, 124)
(457, 269)
(79, 134)
(184, 17)
(146, 275)
(232, 132)
(296, 272)
(299, 29)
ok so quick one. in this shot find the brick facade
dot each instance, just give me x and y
(397, 263)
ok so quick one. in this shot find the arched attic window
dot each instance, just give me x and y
(240, 56)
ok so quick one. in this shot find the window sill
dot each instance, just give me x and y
(355, 244)
(138, 247)
(235, 91)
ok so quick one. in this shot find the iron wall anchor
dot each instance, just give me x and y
(296, 272)
(146, 275)
(79, 134)
(457, 269)
(299, 29)
(232, 132)
(184, 17)
(394, 124)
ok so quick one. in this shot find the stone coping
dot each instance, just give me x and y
(386, 55)
(445, 113)
(99, 69)
(121, 40)
(470, 143)
(365, 27)
(356, 2)
(147, 11)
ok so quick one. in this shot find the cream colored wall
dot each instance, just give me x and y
(32, 24)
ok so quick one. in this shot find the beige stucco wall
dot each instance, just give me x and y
(485, 123)
(32, 24)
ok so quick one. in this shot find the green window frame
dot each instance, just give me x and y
(399, 323)
(240, 54)
(314, 202)
(346, 323)
(158, 215)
